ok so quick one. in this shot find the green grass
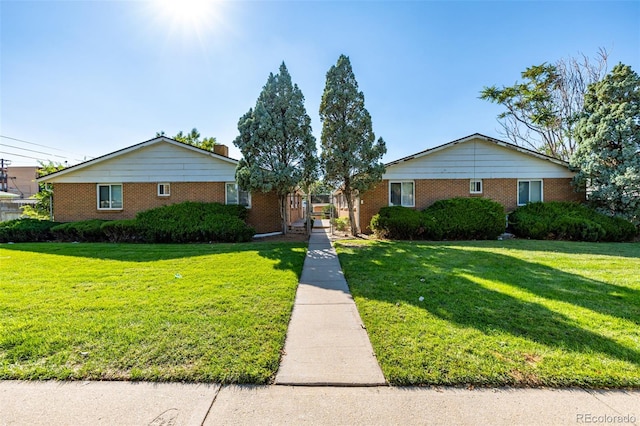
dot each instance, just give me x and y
(210, 313)
(519, 313)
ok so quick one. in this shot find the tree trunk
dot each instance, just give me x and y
(352, 217)
(283, 213)
(307, 213)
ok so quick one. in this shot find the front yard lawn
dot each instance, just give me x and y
(211, 313)
(520, 313)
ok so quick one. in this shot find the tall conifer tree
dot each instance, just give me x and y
(608, 136)
(350, 154)
(278, 148)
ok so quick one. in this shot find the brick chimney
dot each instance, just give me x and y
(221, 150)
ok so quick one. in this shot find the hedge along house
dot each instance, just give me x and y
(155, 173)
(474, 166)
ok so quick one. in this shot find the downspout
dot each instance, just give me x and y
(50, 205)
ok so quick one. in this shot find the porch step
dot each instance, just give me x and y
(297, 230)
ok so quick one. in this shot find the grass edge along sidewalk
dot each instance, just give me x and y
(516, 313)
(197, 312)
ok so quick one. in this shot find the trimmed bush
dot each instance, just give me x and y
(568, 221)
(194, 222)
(86, 231)
(464, 218)
(578, 229)
(396, 222)
(453, 219)
(121, 231)
(189, 211)
(26, 230)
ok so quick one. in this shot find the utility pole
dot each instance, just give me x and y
(4, 181)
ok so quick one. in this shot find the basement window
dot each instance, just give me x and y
(475, 186)
(164, 190)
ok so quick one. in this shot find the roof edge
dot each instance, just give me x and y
(132, 148)
(486, 138)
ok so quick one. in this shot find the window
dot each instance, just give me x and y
(237, 196)
(529, 191)
(164, 190)
(475, 186)
(110, 197)
(401, 194)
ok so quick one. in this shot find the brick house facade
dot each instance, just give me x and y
(475, 166)
(156, 173)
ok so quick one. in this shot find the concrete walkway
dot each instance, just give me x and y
(326, 341)
(177, 404)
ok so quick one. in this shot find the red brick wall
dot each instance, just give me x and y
(428, 191)
(264, 214)
(78, 201)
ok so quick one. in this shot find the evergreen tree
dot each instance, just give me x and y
(608, 136)
(350, 155)
(278, 149)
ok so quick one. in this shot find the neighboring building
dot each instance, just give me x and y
(474, 166)
(22, 180)
(158, 172)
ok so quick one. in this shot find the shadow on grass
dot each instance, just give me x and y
(630, 250)
(288, 256)
(450, 280)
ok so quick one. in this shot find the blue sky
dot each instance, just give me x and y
(85, 78)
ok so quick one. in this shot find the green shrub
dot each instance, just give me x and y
(190, 211)
(194, 222)
(121, 231)
(453, 219)
(341, 223)
(85, 231)
(568, 221)
(397, 222)
(464, 218)
(578, 229)
(26, 230)
(329, 211)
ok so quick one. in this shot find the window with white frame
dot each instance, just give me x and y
(234, 195)
(110, 196)
(475, 186)
(529, 191)
(164, 190)
(401, 194)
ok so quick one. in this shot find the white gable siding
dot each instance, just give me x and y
(476, 159)
(161, 162)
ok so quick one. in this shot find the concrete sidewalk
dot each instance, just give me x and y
(326, 342)
(126, 403)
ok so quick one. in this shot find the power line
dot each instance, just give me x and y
(43, 146)
(31, 150)
(24, 156)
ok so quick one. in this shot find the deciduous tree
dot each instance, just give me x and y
(42, 209)
(541, 111)
(350, 153)
(193, 138)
